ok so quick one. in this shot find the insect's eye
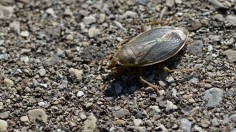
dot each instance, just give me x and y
(118, 64)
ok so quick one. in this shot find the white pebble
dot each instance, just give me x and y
(80, 94)
(24, 34)
(51, 12)
(41, 103)
(210, 48)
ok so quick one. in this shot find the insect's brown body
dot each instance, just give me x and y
(151, 47)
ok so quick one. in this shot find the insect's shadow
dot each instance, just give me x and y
(128, 82)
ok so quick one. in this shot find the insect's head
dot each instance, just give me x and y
(114, 63)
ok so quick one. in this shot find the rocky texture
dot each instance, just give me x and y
(53, 59)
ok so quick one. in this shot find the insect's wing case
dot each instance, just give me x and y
(155, 45)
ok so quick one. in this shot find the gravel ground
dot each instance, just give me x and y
(51, 78)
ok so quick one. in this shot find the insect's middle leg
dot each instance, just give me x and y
(153, 86)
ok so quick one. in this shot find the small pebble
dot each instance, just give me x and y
(215, 38)
(233, 118)
(80, 94)
(143, 2)
(41, 103)
(231, 92)
(1, 106)
(161, 128)
(42, 72)
(213, 97)
(24, 118)
(88, 105)
(128, 14)
(15, 25)
(4, 115)
(25, 59)
(4, 56)
(6, 12)
(170, 3)
(231, 55)
(198, 66)
(218, 17)
(37, 114)
(70, 37)
(205, 123)
(121, 113)
(51, 12)
(82, 116)
(231, 19)
(24, 34)
(68, 12)
(194, 80)
(215, 122)
(178, 1)
(210, 48)
(198, 129)
(93, 32)
(3, 125)
(174, 93)
(60, 52)
(89, 20)
(170, 79)
(102, 18)
(196, 25)
(8, 82)
(77, 73)
(170, 106)
(51, 61)
(196, 48)
(185, 125)
(155, 109)
(119, 122)
(137, 122)
(90, 123)
(162, 83)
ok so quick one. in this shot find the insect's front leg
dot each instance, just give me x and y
(109, 57)
(160, 22)
(122, 42)
(166, 22)
(106, 57)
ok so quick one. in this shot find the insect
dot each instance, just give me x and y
(150, 47)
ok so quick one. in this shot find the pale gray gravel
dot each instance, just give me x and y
(52, 79)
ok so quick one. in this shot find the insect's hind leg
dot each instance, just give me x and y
(166, 69)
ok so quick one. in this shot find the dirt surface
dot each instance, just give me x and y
(51, 78)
